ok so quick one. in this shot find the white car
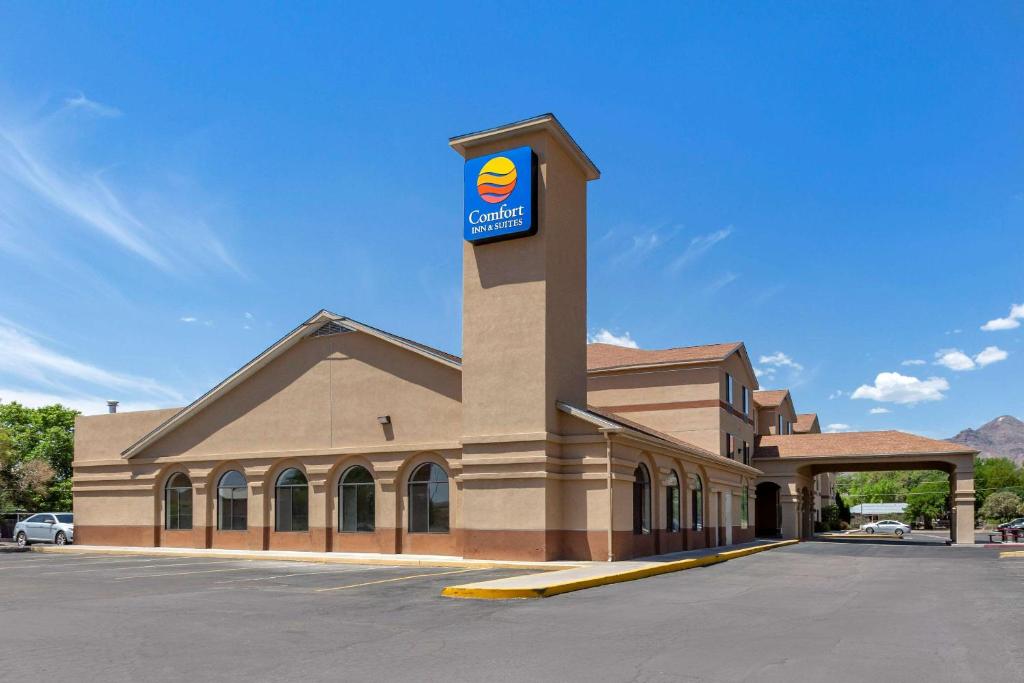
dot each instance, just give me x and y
(886, 526)
(46, 527)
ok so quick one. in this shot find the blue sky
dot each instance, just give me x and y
(842, 188)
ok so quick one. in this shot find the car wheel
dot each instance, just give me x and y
(870, 530)
(60, 538)
(899, 532)
(22, 539)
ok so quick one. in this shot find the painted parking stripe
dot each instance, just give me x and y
(308, 573)
(399, 578)
(131, 566)
(200, 571)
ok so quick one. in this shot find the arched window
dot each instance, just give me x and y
(291, 501)
(355, 500)
(178, 502)
(428, 499)
(744, 507)
(697, 504)
(672, 501)
(641, 500)
(232, 502)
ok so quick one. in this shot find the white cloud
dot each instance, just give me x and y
(188, 319)
(1010, 322)
(80, 101)
(85, 404)
(989, 355)
(603, 336)
(698, 247)
(25, 358)
(838, 393)
(248, 316)
(726, 279)
(914, 361)
(766, 373)
(892, 387)
(837, 427)
(54, 194)
(879, 411)
(781, 360)
(954, 359)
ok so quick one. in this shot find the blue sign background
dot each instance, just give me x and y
(508, 217)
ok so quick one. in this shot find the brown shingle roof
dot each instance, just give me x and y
(852, 443)
(805, 423)
(608, 356)
(771, 397)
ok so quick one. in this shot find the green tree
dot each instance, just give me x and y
(35, 460)
(844, 509)
(992, 475)
(929, 498)
(1001, 506)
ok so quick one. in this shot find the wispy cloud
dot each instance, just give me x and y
(838, 393)
(46, 187)
(720, 282)
(914, 361)
(85, 403)
(698, 247)
(1010, 322)
(603, 336)
(989, 355)
(188, 319)
(25, 358)
(80, 101)
(837, 427)
(879, 411)
(892, 387)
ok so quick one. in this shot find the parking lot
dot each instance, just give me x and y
(814, 611)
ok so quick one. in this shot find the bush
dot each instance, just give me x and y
(1001, 507)
(843, 526)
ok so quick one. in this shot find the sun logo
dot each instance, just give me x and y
(496, 180)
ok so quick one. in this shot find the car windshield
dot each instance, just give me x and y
(66, 518)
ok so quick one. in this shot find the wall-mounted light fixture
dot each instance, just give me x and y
(384, 419)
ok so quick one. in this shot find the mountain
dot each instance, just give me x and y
(1003, 436)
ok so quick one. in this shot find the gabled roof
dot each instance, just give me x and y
(611, 357)
(770, 398)
(306, 329)
(853, 443)
(607, 420)
(806, 423)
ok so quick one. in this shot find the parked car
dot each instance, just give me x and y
(46, 527)
(886, 526)
(1012, 524)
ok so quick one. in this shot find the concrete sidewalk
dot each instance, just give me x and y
(590, 575)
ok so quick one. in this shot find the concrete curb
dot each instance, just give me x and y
(482, 592)
(13, 549)
(298, 556)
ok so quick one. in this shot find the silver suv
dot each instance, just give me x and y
(46, 527)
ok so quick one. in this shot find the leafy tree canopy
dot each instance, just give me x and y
(36, 450)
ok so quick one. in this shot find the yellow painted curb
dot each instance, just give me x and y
(399, 561)
(482, 593)
(1011, 553)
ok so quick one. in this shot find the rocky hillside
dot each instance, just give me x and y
(1003, 436)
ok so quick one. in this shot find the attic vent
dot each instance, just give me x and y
(331, 328)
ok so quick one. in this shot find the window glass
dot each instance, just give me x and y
(33, 519)
(746, 401)
(232, 502)
(641, 500)
(178, 502)
(292, 501)
(672, 515)
(429, 505)
(66, 518)
(728, 388)
(697, 505)
(356, 500)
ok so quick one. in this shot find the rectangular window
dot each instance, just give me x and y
(746, 401)
(728, 388)
(746, 453)
(778, 430)
(730, 446)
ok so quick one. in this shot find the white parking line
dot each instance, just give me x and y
(399, 578)
(203, 571)
(307, 573)
(133, 566)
